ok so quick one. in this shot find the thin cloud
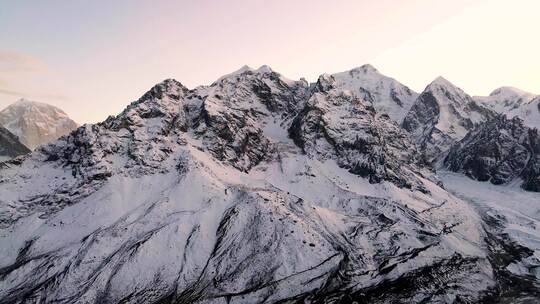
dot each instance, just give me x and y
(19, 62)
(54, 97)
(12, 93)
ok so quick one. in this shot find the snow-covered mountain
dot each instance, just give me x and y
(35, 123)
(441, 116)
(514, 103)
(10, 146)
(201, 196)
(255, 189)
(500, 151)
(387, 95)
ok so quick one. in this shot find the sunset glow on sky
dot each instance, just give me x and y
(92, 58)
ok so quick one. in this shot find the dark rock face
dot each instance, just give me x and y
(499, 151)
(334, 124)
(10, 146)
(232, 110)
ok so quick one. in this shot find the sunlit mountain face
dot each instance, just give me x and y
(263, 189)
(216, 152)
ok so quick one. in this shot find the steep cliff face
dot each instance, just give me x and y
(10, 146)
(202, 196)
(336, 124)
(500, 151)
(441, 116)
(35, 123)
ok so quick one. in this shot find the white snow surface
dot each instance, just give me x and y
(518, 209)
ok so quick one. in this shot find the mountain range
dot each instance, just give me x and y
(262, 189)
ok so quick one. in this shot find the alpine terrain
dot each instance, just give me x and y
(262, 189)
(35, 123)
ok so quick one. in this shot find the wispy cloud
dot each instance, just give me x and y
(12, 93)
(11, 62)
(15, 67)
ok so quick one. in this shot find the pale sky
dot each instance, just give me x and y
(92, 58)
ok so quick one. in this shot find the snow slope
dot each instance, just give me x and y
(513, 214)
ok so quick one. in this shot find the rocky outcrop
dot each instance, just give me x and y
(10, 146)
(500, 151)
(336, 124)
(35, 123)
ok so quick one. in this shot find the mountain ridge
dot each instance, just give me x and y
(253, 189)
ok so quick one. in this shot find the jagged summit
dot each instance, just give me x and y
(263, 69)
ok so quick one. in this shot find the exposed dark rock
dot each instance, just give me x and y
(499, 151)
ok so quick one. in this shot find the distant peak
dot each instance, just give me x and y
(366, 69)
(244, 68)
(264, 69)
(369, 68)
(508, 90)
(24, 101)
(28, 104)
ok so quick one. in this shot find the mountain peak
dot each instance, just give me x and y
(35, 123)
(441, 81)
(263, 69)
(23, 102)
(509, 91)
(366, 69)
